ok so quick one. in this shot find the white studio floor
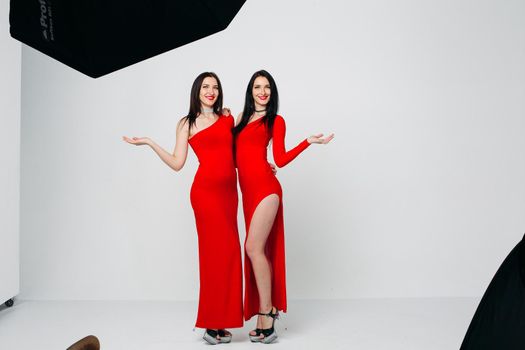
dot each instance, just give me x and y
(364, 324)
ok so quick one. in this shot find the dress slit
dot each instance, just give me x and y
(274, 250)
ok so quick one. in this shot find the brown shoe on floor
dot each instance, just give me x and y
(88, 343)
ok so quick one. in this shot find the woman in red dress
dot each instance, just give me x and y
(214, 201)
(264, 267)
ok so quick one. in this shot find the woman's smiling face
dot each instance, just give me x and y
(261, 92)
(209, 92)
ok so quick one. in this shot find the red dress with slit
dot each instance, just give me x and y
(257, 182)
(214, 200)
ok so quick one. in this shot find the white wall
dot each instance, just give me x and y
(10, 67)
(421, 193)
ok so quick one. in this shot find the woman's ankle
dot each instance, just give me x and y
(266, 310)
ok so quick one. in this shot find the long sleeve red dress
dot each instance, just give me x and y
(257, 182)
(214, 200)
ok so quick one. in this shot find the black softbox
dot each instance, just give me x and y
(97, 37)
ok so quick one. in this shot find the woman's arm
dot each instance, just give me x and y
(283, 157)
(178, 158)
(280, 155)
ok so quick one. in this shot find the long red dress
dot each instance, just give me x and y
(214, 200)
(257, 182)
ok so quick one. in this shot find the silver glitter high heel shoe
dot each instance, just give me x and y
(215, 337)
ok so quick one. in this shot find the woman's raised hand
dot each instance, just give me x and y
(226, 111)
(137, 141)
(320, 139)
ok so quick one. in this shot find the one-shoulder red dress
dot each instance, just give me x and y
(257, 182)
(214, 200)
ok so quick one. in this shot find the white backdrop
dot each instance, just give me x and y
(421, 193)
(10, 66)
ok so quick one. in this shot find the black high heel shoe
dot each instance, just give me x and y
(257, 337)
(269, 333)
(210, 336)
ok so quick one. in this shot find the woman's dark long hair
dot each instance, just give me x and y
(249, 104)
(195, 102)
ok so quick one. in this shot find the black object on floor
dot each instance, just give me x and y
(499, 321)
(88, 343)
(97, 37)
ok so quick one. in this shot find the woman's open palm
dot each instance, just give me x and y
(137, 141)
(320, 139)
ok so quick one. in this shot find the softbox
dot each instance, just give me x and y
(499, 320)
(97, 37)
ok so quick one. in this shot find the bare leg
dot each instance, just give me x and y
(260, 227)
